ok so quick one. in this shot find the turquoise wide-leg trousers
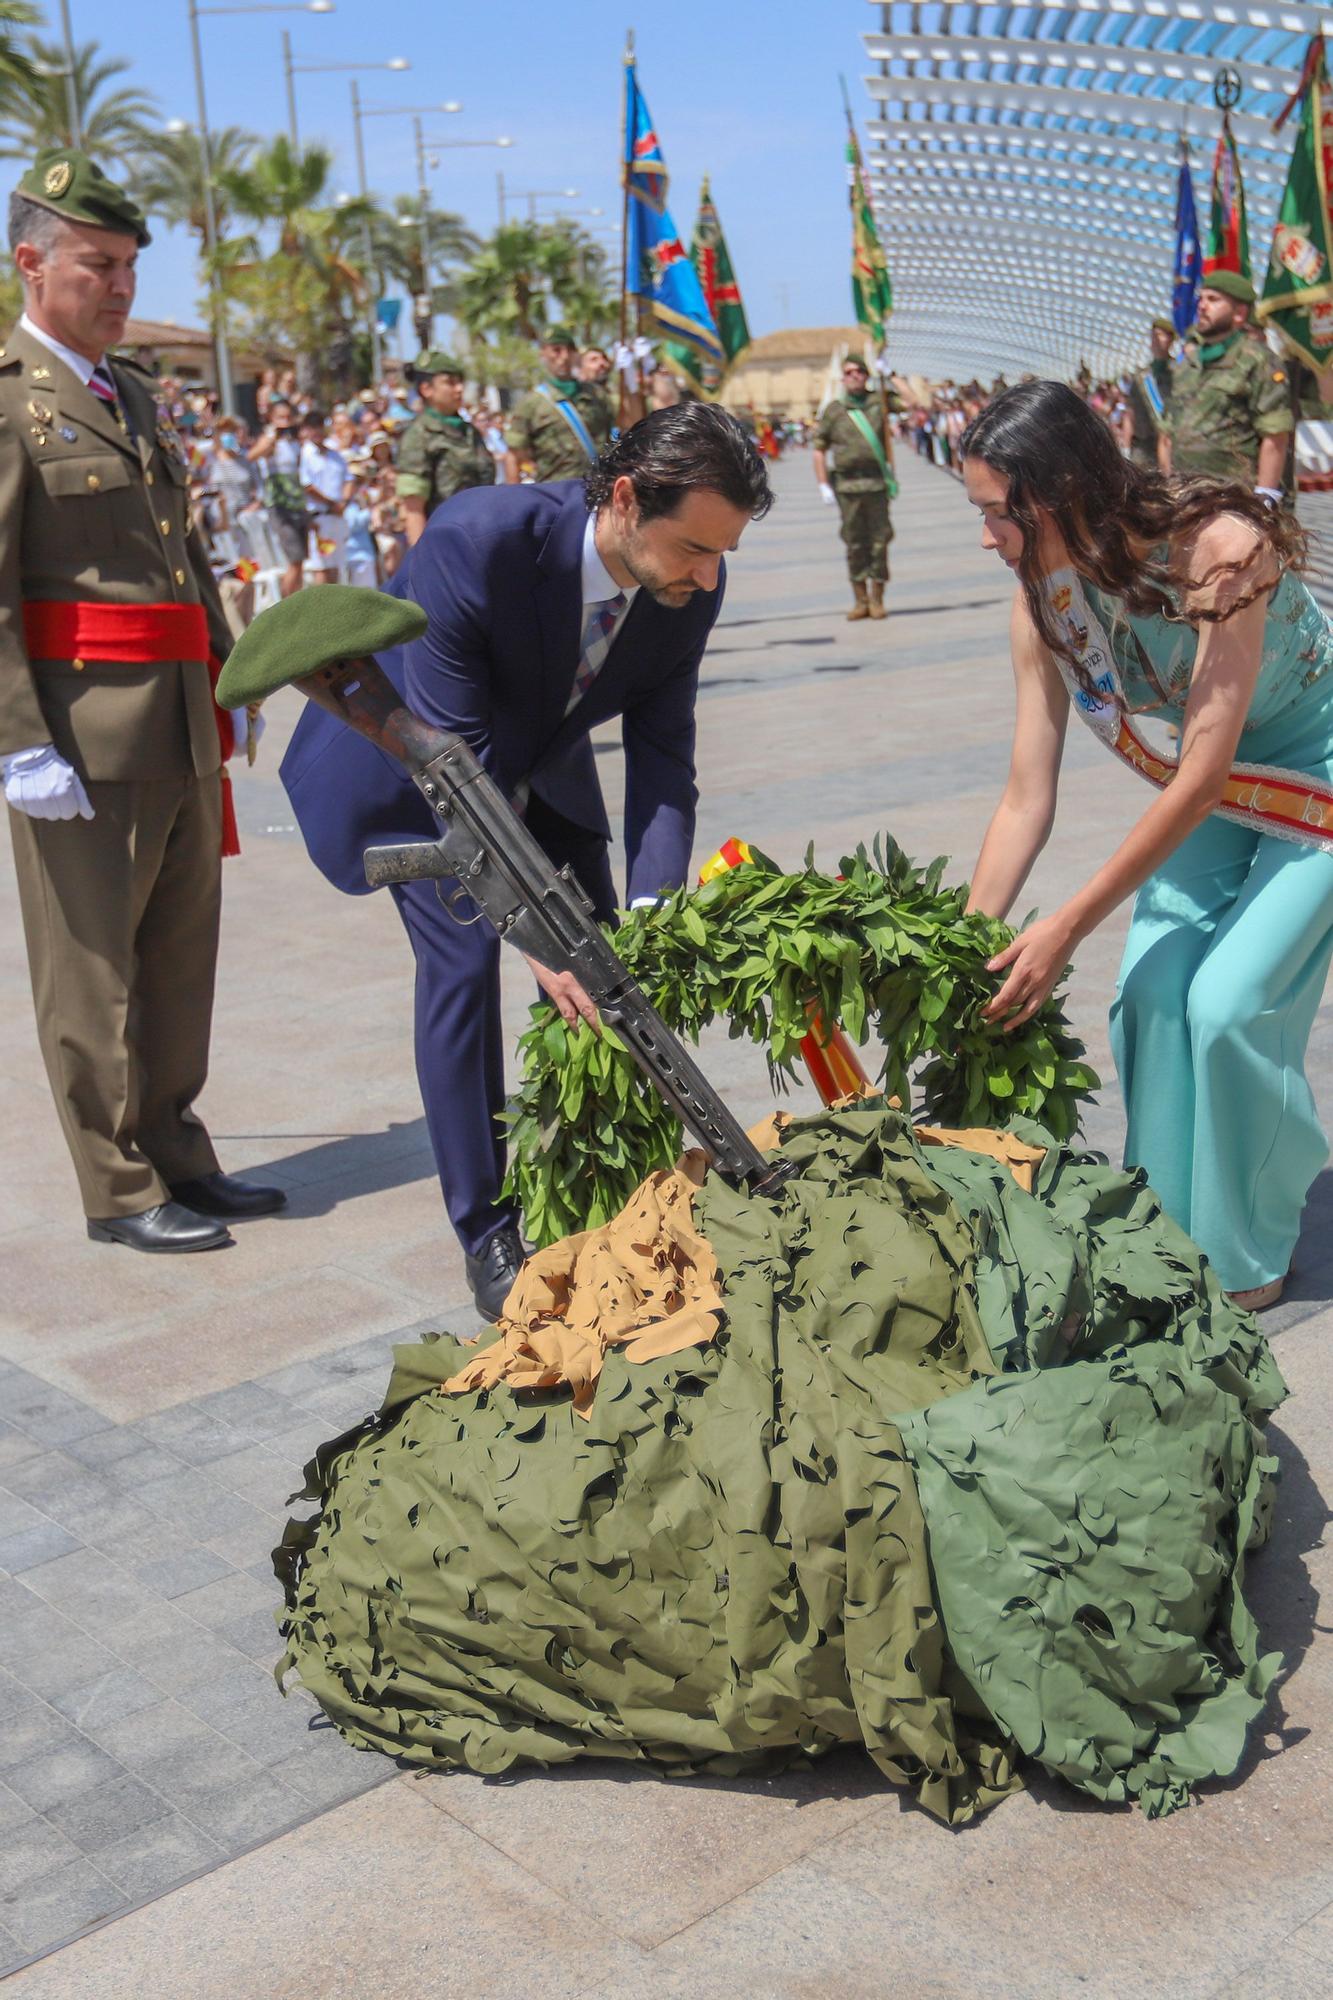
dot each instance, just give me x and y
(1223, 972)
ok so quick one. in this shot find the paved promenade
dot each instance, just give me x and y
(171, 1830)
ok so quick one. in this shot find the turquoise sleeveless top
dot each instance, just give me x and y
(1155, 657)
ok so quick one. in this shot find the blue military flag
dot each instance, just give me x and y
(1189, 251)
(659, 276)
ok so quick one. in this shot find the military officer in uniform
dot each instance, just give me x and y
(1149, 397)
(440, 451)
(562, 424)
(859, 481)
(1230, 409)
(111, 746)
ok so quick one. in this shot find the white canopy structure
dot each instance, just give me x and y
(1023, 164)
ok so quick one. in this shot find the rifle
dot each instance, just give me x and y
(539, 909)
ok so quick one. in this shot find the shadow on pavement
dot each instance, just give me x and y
(346, 1164)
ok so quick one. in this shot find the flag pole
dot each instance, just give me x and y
(622, 404)
(858, 195)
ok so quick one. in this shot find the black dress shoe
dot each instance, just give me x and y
(165, 1229)
(492, 1273)
(225, 1195)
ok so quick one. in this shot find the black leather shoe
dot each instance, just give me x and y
(165, 1229)
(492, 1273)
(225, 1195)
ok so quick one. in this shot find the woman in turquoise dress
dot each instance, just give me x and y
(1180, 599)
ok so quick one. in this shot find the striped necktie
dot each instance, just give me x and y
(598, 632)
(103, 386)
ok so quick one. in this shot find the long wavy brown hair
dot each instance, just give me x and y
(1125, 526)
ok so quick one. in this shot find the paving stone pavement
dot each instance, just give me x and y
(193, 1834)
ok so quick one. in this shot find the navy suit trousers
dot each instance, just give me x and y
(459, 1038)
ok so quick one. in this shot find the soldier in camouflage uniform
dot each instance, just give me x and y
(440, 452)
(1230, 401)
(860, 485)
(549, 426)
(1149, 398)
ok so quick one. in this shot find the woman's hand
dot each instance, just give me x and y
(1034, 962)
(571, 1001)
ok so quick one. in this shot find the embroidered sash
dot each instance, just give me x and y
(1290, 805)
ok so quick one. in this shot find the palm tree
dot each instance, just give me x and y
(282, 185)
(396, 243)
(16, 68)
(510, 288)
(170, 178)
(34, 110)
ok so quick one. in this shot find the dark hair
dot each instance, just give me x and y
(312, 417)
(676, 451)
(1116, 517)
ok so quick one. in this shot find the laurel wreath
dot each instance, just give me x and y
(881, 948)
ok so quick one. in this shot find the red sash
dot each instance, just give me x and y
(135, 635)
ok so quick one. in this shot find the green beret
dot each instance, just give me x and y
(557, 336)
(70, 184)
(312, 629)
(1164, 325)
(1231, 285)
(433, 361)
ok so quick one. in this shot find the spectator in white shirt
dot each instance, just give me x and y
(328, 487)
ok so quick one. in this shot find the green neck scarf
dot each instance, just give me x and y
(857, 396)
(565, 385)
(1217, 348)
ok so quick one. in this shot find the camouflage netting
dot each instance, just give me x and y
(968, 1474)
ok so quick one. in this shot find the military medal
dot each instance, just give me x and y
(169, 438)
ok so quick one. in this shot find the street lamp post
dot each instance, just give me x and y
(533, 195)
(430, 147)
(291, 70)
(71, 82)
(220, 343)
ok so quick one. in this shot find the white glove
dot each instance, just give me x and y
(826, 493)
(40, 783)
(240, 724)
(1271, 494)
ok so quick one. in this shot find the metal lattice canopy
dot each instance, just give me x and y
(1023, 165)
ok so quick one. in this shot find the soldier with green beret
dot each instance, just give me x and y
(112, 748)
(560, 426)
(440, 452)
(1230, 412)
(859, 480)
(1149, 398)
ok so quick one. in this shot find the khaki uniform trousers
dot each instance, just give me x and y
(121, 915)
(867, 532)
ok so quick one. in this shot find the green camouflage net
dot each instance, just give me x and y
(855, 1517)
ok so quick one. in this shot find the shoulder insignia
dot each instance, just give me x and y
(40, 374)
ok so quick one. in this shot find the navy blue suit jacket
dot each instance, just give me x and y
(498, 573)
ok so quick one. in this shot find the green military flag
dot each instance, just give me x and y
(712, 261)
(872, 293)
(1298, 290)
(1227, 246)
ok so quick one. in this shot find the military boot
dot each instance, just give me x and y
(861, 608)
(877, 598)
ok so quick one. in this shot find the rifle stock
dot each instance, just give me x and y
(540, 910)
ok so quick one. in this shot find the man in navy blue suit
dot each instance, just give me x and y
(552, 608)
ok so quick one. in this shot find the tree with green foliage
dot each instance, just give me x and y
(529, 275)
(119, 125)
(170, 178)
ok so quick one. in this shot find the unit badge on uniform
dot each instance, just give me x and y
(42, 411)
(58, 178)
(69, 434)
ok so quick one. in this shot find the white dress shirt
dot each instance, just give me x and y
(598, 582)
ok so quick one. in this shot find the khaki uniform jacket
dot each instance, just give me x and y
(539, 432)
(91, 513)
(855, 467)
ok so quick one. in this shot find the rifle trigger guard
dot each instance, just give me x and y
(447, 905)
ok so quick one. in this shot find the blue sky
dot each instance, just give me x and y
(745, 90)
